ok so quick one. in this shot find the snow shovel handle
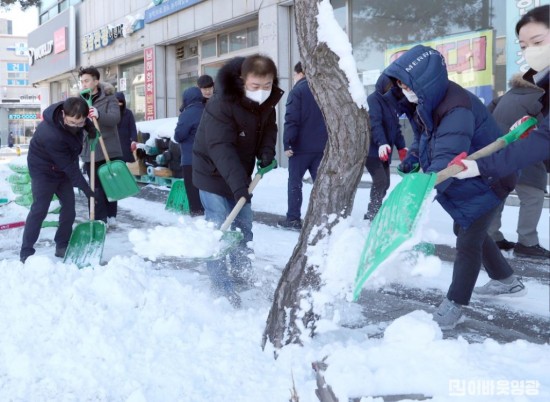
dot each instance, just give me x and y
(240, 204)
(493, 147)
(86, 94)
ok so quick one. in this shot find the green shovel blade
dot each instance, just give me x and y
(86, 244)
(394, 224)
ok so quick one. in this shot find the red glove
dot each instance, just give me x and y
(133, 146)
(384, 152)
(518, 122)
(457, 160)
(402, 153)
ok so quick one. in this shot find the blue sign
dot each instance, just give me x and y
(165, 8)
(18, 67)
(18, 82)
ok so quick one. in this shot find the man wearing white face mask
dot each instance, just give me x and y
(237, 127)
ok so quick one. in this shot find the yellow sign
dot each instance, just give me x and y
(469, 57)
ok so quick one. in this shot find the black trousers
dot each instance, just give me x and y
(43, 189)
(193, 197)
(103, 208)
(380, 173)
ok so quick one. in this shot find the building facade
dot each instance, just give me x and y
(19, 100)
(152, 51)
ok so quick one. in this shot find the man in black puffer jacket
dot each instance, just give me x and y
(53, 166)
(238, 125)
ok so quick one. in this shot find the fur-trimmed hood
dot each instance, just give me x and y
(517, 81)
(229, 84)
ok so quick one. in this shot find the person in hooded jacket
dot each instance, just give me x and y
(53, 161)
(127, 130)
(523, 99)
(452, 120)
(385, 107)
(107, 112)
(237, 127)
(184, 134)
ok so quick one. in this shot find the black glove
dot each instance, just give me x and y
(410, 164)
(267, 158)
(90, 129)
(242, 192)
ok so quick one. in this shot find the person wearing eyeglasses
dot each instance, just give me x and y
(53, 161)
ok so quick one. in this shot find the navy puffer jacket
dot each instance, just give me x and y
(54, 152)
(451, 120)
(188, 123)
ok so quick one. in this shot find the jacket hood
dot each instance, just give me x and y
(423, 70)
(229, 83)
(383, 84)
(121, 98)
(192, 95)
(52, 114)
(107, 88)
(517, 81)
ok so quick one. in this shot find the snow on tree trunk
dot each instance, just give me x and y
(292, 312)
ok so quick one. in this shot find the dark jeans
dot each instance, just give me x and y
(380, 173)
(43, 189)
(298, 165)
(192, 192)
(103, 208)
(474, 247)
(217, 208)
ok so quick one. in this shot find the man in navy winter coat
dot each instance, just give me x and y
(54, 169)
(384, 110)
(304, 139)
(453, 120)
(184, 135)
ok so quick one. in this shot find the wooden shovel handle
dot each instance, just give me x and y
(101, 142)
(240, 204)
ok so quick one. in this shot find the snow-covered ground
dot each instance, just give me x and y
(146, 327)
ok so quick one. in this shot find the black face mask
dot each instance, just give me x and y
(71, 129)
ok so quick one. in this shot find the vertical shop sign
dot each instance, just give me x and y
(149, 58)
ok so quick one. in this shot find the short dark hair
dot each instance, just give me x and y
(205, 81)
(91, 70)
(537, 14)
(260, 65)
(298, 68)
(75, 107)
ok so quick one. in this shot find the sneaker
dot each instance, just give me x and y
(60, 252)
(535, 251)
(111, 221)
(294, 224)
(497, 288)
(505, 244)
(448, 314)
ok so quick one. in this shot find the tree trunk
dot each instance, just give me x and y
(335, 187)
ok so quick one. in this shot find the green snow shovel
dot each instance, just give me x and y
(396, 220)
(87, 240)
(231, 238)
(177, 200)
(116, 179)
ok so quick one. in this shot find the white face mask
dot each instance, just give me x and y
(259, 96)
(410, 95)
(538, 57)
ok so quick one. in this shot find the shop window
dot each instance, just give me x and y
(208, 48)
(237, 40)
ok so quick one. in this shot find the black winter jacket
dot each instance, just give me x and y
(54, 151)
(233, 132)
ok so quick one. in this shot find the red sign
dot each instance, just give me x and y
(149, 59)
(60, 40)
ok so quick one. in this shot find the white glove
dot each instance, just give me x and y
(93, 113)
(383, 152)
(471, 170)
